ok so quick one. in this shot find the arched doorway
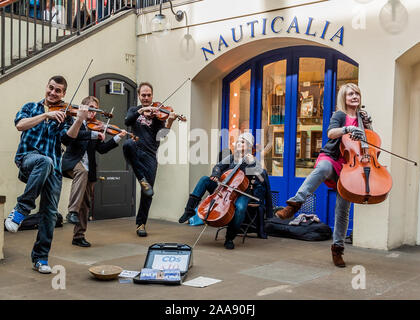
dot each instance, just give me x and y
(286, 98)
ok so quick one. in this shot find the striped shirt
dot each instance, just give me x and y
(45, 138)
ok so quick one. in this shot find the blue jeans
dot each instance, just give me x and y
(42, 180)
(323, 171)
(241, 205)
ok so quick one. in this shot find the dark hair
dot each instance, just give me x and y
(142, 84)
(59, 80)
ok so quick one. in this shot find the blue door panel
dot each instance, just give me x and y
(323, 201)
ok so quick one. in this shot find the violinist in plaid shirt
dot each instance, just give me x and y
(38, 158)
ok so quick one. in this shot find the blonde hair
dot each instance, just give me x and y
(341, 96)
(90, 99)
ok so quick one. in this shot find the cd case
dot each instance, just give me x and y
(168, 276)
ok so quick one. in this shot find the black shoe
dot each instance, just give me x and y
(189, 212)
(146, 188)
(81, 242)
(186, 216)
(229, 244)
(141, 231)
(73, 218)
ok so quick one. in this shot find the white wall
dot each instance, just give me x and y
(26, 35)
(414, 223)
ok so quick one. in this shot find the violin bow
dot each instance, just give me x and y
(391, 153)
(77, 89)
(395, 155)
(107, 123)
(175, 91)
(67, 108)
(173, 94)
(239, 191)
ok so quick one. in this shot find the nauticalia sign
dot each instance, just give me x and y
(275, 26)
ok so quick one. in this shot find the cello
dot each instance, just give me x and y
(218, 209)
(363, 179)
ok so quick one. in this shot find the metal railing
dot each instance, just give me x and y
(28, 27)
(149, 3)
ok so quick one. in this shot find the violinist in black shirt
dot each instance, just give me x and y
(141, 154)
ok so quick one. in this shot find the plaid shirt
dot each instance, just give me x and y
(44, 138)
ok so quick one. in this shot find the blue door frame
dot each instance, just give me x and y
(287, 185)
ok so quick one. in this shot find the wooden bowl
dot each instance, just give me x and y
(105, 272)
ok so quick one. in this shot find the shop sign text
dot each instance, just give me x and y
(277, 25)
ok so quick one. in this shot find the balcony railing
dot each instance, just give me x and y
(149, 3)
(28, 27)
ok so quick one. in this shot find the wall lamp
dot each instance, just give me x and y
(160, 24)
(393, 16)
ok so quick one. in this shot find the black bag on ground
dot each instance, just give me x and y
(309, 231)
(31, 222)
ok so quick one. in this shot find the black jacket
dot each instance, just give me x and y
(332, 147)
(77, 148)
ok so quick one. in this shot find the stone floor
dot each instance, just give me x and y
(271, 269)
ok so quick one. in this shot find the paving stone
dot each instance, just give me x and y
(287, 272)
(259, 269)
(98, 254)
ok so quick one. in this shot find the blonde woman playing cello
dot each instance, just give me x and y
(329, 164)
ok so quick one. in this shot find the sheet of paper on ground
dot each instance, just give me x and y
(201, 282)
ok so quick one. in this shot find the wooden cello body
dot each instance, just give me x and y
(363, 179)
(218, 209)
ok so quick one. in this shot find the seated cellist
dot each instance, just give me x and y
(253, 171)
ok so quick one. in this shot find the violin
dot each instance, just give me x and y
(164, 112)
(97, 125)
(363, 179)
(218, 209)
(71, 109)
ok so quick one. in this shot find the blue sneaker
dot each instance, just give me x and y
(13, 221)
(42, 266)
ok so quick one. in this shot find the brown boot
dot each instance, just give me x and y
(289, 211)
(337, 253)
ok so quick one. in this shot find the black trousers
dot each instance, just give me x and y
(144, 165)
